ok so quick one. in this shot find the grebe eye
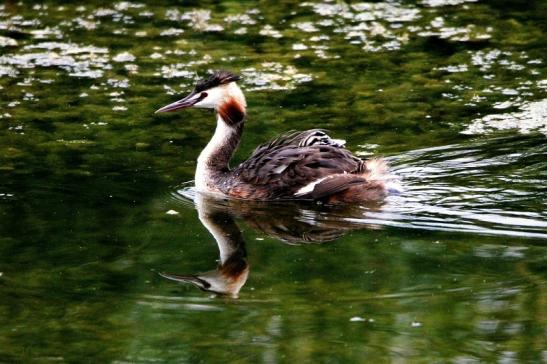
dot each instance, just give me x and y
(203, 95)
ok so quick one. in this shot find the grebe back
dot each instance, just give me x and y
(306, 165)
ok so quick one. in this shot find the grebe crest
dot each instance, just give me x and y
(299, 165)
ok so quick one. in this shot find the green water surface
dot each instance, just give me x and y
(96, 193)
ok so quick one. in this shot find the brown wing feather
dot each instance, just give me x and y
(283, 169)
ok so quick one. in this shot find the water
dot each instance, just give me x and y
(96, 191)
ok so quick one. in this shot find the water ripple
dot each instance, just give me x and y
(459, 188)
(464, 188)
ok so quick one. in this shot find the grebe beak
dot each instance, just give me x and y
(184, 103)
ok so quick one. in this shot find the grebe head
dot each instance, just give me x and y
(214, 92)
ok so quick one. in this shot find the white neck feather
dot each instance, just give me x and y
(204, 171)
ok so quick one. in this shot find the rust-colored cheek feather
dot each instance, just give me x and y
(231, 111)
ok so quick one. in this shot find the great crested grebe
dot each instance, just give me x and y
(306, 165)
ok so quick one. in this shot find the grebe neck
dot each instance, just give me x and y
(214, 159)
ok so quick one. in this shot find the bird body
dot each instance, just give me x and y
(306, 165)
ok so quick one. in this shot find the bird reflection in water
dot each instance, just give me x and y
(233, 268)
(292, 223)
